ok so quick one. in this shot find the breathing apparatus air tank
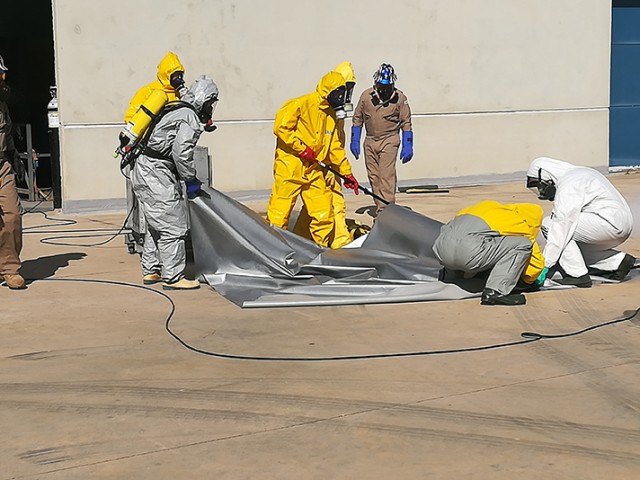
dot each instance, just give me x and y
(137, 126)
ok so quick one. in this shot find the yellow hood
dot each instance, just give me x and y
(346, 70)
(329, 83)
(169, 64)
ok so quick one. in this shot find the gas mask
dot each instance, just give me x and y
(545, 189)
(385, 91)
(176, 80)
(337, 99)
(206, 114)
(348, 106)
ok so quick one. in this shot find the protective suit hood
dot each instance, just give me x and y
(549, 169)
(168, 65)
(200, 92)
(327, 84)
(346, 70)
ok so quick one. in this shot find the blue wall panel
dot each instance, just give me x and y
(624, 112)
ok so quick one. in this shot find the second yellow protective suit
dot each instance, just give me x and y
(307, 121)
(341, 234)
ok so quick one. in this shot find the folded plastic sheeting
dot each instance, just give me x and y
(256, 265)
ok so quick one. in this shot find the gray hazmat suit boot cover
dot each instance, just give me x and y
(256, 265)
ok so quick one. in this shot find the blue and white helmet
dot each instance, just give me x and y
(385, 75)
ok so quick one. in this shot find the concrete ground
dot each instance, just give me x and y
(92, 386)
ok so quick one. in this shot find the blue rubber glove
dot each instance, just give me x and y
(406, 154)
(356, 132)
(542, 277)
(193, 188)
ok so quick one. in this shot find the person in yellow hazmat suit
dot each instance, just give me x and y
(341, 234)
(500, 239)
(170, 79)
(307, 132)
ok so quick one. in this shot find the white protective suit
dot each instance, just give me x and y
(157, 178)
(590, 217)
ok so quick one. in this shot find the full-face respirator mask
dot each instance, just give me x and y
(337, 99)
(206, 114)
(545, 189)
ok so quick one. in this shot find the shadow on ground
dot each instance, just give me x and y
(45, 267)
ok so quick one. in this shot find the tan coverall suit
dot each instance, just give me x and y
(382, 122)
(10, 210)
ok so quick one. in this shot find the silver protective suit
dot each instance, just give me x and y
(590, 217)
(157, 182)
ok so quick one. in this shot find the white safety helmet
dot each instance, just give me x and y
(3, 67)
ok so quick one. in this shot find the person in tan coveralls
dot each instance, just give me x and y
(384, 111)
(10, 210)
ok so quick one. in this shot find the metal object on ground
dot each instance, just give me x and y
(422, 189)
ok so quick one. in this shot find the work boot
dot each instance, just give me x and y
(14, 281)
(583, 281)
(151, 278)
(182, 284)
(623, 269)
(491, 297)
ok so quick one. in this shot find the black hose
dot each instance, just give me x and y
(360, 187)
(529, 337)
(69, 221)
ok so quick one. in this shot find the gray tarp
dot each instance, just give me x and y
(255, 265)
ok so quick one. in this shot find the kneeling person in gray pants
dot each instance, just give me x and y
(499, 238)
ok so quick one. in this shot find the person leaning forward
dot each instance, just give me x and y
(500, 239)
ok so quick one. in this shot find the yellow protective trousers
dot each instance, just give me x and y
(340, 234)
(293, 179)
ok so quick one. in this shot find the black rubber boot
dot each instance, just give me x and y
(491, 297)
(623, 270)
(583, 281)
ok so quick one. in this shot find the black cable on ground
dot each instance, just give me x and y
(529, 337)
(69, 221)
(541, 336)
(61, 223)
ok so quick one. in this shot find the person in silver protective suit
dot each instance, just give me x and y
(157, 178)
(589, 219)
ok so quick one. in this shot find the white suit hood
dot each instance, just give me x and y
(549, 168)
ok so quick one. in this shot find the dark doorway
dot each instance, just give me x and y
(26, 43)
(624, 113)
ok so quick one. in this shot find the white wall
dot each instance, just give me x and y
(491, 83)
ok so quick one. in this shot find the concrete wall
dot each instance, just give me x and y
(492, 84)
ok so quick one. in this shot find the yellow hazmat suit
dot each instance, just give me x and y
(340, 235)
(307, 121)
(523, 219)
(168, 65)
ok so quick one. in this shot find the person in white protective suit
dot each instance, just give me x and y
(589, 218)
(166, 161)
